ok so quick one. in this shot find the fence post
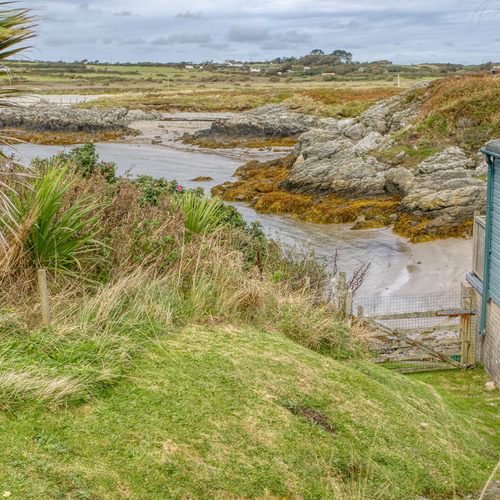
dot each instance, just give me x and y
(467, 351)
(44, 296)
(341, 292)
(348, 307)
(361, 312)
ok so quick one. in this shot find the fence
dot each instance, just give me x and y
(432, 331)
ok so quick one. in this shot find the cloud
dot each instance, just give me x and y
(128, 30)
(247, 33)
(189, 15)
(182, 38)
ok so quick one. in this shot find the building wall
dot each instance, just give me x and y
(488, 346)
(490, 343)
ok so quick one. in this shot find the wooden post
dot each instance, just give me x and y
(44, 296)
(348, 307)
(341, 292)
(468, 356)
(361, 312)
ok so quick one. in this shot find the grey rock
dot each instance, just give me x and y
(336, 168)
(369, 143)
(355, 132)
(50, 117)
(448, 160)
(267, 121)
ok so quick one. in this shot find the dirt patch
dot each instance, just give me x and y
(314, 417)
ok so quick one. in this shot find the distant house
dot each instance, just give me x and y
(307, 69)
(188, 67)
(485, 274)
(255, 70)
(495, 70)
(233, 64)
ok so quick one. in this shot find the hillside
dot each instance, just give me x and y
(189, 356)
(224, 411)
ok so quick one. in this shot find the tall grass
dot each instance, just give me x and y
(135, 276)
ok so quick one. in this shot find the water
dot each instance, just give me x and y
(396, 265)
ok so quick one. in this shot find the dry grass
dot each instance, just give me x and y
(459, 111)
(309, 97)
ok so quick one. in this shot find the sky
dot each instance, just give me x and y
(403, 31)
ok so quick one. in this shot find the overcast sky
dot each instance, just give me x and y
(404, 31)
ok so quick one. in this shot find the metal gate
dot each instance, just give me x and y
(409, 333)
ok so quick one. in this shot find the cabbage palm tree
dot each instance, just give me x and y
(16, 28)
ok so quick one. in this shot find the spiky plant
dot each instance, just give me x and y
(60, 238)
(17, 26)
(203, 215)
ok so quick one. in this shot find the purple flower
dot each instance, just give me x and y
(179, 188)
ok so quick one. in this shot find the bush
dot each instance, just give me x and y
(59, 237)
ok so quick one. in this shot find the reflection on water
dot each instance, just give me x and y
(396, 265)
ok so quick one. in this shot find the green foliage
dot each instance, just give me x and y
(59, 238)
(16, 27)
(153, 189)
(203, 215)
(87, 163)
(83, 160)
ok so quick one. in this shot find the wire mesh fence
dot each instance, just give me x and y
(416, 332)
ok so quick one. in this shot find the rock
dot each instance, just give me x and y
(481, 170)
(335, 168)
(369, 143)
(267, 121)
(490, 386)
(49, 117)
(451, 159)
(355, 132)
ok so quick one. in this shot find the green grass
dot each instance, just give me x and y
(453, 112)
(216, 412)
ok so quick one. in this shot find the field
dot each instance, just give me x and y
(168, 88)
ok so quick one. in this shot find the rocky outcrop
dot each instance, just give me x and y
(68, 119)
(267, 121)
(444, 188)
(344, 159)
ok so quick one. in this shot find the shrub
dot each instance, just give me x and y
(203, 215)
(61, 240)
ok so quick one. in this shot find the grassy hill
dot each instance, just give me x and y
(237, 412)
(456, 111)
(191, 357)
